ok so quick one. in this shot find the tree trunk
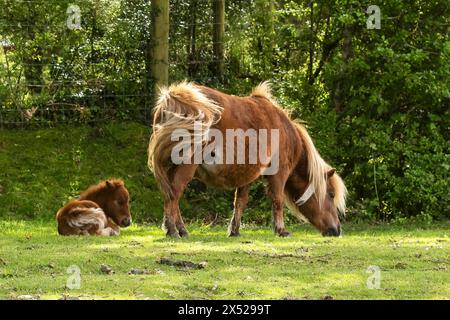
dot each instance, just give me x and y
(160, 44)
(339, 99)
(218, 37)
(266, 38)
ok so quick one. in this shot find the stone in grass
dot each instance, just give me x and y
(106, 269)
(28, 297)
(182, 263)
(400, 265)
(64, 297)
(138, 271)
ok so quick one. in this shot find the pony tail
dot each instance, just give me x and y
(179, 106)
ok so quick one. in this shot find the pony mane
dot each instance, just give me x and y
(103, 185)
(317, 168)
(340, 192)
(264, 90)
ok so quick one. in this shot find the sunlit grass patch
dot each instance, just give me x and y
(413, 263)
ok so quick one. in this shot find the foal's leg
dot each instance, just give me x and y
(240, 202)
(107, 232)
(276, 193)
(173, 222)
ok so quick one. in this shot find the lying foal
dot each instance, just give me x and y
(100, 210)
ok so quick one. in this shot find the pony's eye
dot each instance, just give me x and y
(331, 194)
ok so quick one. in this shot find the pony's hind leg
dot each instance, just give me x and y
(276, 193)
(240, 202)
(173, 222)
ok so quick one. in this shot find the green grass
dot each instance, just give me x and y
(413, 261)
(41, 169)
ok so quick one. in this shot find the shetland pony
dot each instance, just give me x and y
(100, 210)
(304, 181)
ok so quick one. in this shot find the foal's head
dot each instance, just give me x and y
(321, 209)
(117, 205)
(113, 198)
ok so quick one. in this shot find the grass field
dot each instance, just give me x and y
(413, 263)
(41, 169)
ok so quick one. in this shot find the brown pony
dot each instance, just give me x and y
(99, 210)
(308, 185)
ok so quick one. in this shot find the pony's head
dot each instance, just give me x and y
(113, 198)
(322, 211)
(315, 193)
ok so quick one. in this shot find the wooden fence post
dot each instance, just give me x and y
(160, 44)
(218, 37)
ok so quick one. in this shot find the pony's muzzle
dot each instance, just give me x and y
(125, 222)
(333, 232)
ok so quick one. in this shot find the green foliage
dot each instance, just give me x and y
(393, 116)
(56, 74)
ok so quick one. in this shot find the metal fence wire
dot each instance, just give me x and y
(85, 61)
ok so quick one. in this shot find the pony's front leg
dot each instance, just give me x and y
(276, 193)
(240, 202)
(173, 222)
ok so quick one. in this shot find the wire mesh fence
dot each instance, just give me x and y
(89, 60)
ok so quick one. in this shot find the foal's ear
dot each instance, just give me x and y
(110, 184)
(114, 183)
(330, 173)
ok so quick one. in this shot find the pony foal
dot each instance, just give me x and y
(100, 210)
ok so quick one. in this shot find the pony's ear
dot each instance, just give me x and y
(110, 184)
(330, 173)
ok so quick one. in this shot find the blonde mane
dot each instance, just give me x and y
(317, 167)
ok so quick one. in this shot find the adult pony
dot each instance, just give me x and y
(100, 210)
(308, 185)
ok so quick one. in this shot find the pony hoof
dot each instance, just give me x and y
(173, 235)
(183, 233)
(234, 234)
(284, 234)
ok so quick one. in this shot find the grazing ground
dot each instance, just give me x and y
(413, 262)
(43, 168)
